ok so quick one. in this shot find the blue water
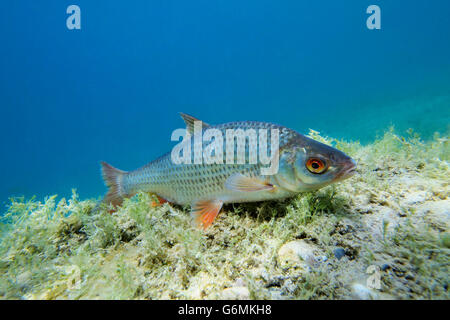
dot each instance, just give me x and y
(112, 90)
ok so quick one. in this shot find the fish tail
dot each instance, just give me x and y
(114, 181)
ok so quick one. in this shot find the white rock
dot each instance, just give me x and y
(198, 284)
(361, 292)
(236, 293)
(297, 252)
(415, 197)
(436, 212)
(276, 294)
(23, 279)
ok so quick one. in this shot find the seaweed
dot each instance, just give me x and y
(393, 215)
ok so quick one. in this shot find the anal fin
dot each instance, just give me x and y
(160, 202)
(204, 212)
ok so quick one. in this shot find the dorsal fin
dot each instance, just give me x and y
(189, 120)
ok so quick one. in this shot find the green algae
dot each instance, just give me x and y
(393, 214)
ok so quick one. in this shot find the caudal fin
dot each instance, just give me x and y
(113, 179)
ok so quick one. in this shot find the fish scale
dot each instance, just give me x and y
(184, 183)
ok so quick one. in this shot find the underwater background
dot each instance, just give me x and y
(112, 91)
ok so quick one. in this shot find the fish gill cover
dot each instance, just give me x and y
(108, 83)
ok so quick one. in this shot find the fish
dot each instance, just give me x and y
(304, 165)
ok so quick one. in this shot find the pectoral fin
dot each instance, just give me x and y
(204, 212)
(239, 182)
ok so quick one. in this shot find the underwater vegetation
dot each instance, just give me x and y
(387, 226)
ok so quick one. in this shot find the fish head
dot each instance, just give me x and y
(309, 165)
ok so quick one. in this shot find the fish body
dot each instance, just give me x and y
(304, 164)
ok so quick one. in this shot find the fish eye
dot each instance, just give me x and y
(316, 165)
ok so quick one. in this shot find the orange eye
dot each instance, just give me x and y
(315, 165)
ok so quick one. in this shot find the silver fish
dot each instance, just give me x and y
(304, 165)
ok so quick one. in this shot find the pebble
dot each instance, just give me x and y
(276, 281)
(339, 253)
(436, 213)
(23, 279)
(384, 267)
(276, 294)
(289, 286)
(413, 198)
(298, 251)
(236, 293)
(361, 292)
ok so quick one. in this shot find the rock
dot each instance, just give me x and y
(239, 282)
(361, 292)
(384, 267)
(362, 199)
(364, 209)
(297, 252)
(236, 293)
(339, 253)
(412, 198)
(381, 224)
(23, 280)
(437, 213)
(362, 204)
(198, 286)
(289, 287)
(276, 294)
(276, 281)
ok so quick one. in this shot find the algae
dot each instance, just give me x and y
(391, 220)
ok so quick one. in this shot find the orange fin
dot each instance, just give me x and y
(204, 212)
(161, 201)
(239, 182)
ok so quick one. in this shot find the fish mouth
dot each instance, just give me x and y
(351, 169)
(348, 170)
